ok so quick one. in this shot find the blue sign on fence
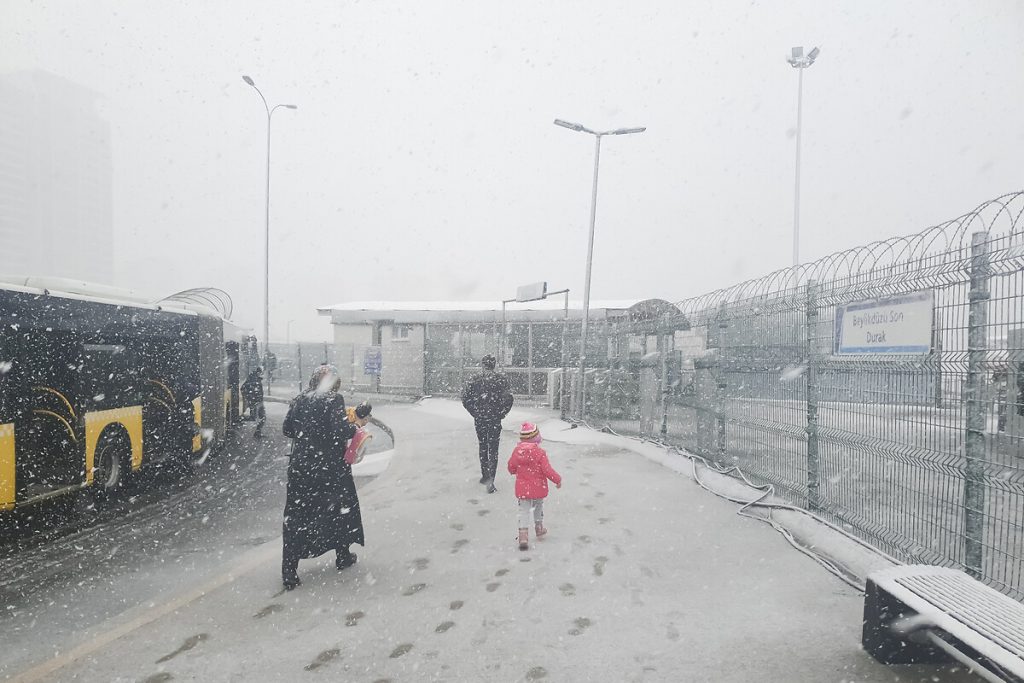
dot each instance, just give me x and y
(372, 361)
(900, 325)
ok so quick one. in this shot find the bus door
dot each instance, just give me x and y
(168, 367)
(232, 359)
(44, 398)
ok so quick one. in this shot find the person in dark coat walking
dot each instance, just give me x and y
(252, 392)
(321, 512)
(488, 398)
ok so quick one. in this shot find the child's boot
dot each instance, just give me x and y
(539, 528)
(524, 539)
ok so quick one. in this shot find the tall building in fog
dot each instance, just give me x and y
(55, 179)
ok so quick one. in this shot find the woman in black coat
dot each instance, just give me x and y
(322, 509)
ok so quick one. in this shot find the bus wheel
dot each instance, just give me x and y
(110, 468)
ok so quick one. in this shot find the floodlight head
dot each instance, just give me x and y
(627, 131)
(813, 54)
(248, 80)
(796, 53)
(578, 127)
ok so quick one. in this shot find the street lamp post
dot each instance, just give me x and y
(288, 333)
(581, 390)
(266, 234)
(798, 60)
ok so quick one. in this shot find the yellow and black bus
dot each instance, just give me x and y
(95, 384)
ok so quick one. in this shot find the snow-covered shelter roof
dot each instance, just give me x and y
(552, 308)
(90, 291)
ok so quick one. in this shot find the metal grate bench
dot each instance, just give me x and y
(920, 613)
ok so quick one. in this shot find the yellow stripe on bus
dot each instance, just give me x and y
(7, 483)
(197, 413)
(130, 418)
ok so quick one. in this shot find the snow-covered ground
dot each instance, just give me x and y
(643, 576)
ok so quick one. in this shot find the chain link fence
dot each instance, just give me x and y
(919, 454)
(292, 364)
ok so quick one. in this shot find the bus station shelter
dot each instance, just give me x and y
(431, 347)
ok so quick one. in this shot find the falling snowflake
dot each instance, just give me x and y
(793, 372)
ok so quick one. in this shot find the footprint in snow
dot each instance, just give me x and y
(582, 624)
(268, 610)
(189, 643)
(322, 659)
(400, 650)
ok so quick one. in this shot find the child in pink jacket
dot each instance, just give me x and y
(530, 464)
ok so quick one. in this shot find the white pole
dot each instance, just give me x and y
(266, 259)
(586, 287)
(796, 198)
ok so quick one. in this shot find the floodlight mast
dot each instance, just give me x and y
(798, 60)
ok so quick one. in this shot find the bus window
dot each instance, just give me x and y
(6, 364)
(105, 376)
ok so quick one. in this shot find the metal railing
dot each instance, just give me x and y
(923, 455)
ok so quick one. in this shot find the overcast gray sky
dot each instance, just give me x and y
(422, 162)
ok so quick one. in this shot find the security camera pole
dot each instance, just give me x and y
(799, 61)
(579, 128)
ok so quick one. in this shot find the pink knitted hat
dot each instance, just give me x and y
(529, 433)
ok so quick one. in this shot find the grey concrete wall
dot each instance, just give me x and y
(402, 367)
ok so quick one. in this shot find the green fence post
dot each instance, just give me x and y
(720, 384)
(974, 467)
(811, 378)
(666, 348)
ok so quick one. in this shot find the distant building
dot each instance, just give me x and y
(55, 179)
(430, 347)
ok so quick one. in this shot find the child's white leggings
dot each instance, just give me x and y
(528, 506)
